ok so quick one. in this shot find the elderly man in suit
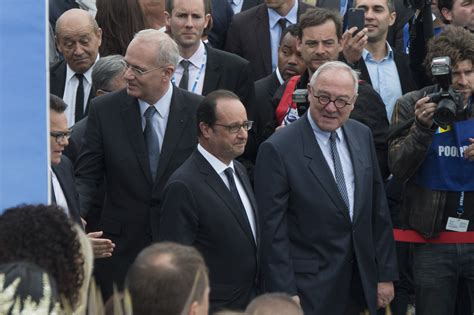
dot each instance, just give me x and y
(326, 233)
(136, 138)
(208, 203)
(255, 33)
(78, 38)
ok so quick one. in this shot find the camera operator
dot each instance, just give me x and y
(437, 166)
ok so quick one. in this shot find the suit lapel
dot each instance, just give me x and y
(262, 38)
(212, 75)
(215, 182)
(130, 112)
(357, 165)
(319, 167)
(177, 119)
(58, 79)
(243, 177)
(66, 182)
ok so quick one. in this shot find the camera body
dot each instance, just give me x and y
(300, 98)
(449, 102)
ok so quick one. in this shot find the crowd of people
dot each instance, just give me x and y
(252, 157)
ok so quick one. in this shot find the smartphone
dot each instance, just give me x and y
(355, 17)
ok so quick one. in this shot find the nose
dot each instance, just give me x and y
(293, 60)
(128, 73)
(189, 22)
(369, 14)
(330, 107)
(78, 49)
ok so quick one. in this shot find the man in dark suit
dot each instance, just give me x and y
(252, 37)
(136, 138)
(208, 203)
(326, 231)
(78, 38)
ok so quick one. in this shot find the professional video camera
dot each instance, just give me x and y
(449, 102)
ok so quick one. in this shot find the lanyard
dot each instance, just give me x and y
(201, 68)
(460, 210)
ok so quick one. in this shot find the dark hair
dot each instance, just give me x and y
(293, 29)
(390, 5)
(169, 6)
(319, 16)
(206, 111)
(105, 71)
(56, 104)
(29, 283)
(119, 21)
(44, 235)
(273, 303)
(448, 4)
(455, 42)
(165, 278)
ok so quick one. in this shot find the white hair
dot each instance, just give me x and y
(167, 49)
(332, 65)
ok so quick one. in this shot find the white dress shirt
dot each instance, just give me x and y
(197, 70)
(220, 167)
(58, 193)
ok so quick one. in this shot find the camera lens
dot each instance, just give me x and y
(445, 112)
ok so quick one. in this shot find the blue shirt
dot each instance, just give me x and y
(385, 78)
(275, 29)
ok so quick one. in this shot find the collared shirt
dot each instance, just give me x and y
(220, 167)
(322, 137)
(279, 76)
(197, 70)
(236, 5)
(275, 29)
(343, 7)
(385, 78)
(160, 119)
(58, 193)
(70, 89)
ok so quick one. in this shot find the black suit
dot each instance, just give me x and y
(265, 89)
(114, 146)
(57, 82)
(64, 172)
(310, 245)
(199, 210)
(249, 37)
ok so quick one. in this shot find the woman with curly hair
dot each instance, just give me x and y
(119, 21)
(43, 235)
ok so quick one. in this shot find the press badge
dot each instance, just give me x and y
(457, 225)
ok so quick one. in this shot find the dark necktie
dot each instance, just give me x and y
(53, 196)
(339, 174)
(229, 173)
(282, 23)
(151, 140)
(185, 78)
(79, 97)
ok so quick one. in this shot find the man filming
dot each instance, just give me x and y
(432, 150)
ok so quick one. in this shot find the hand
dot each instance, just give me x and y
(469, 152)
(352, 46)
(385, 294)
(296, 299)
(102, 247)
(424, 111)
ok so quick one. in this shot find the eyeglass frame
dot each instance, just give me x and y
(246, 125)
(59, 136)
(318, 97)
(137, 71)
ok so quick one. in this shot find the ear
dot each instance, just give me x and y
(193, 308)
(205, 129)
(169, 71)
(299, 44)
(447, 14)
(207, 18)
(167, 18)
(99, 92)
(99, 35)
(393, 17)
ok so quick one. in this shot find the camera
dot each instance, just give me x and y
(300, 98)
(449, 102)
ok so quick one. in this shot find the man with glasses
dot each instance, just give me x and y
(326, 232)
(136, 138)
(208, 203)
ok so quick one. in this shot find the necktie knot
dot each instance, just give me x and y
(79, 77)
(282, 23)
(150, 111)
(229, 172)
(333, 136)
(185, 64)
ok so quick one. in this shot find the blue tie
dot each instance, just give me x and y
(151, 141)
(338, 173)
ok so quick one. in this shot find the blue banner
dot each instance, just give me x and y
(23, 103)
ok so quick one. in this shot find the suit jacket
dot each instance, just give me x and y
(249, 37)
(64, 172)
(199, 210)
(114, 146)
(405, 75)
(264, 91)
(57, 82)
(309, 243)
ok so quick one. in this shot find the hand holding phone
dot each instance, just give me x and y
(355, 17)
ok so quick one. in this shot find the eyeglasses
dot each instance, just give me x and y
(137, 71)
(61, 135)
(324, 100)
(246, 125)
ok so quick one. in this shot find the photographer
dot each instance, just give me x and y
(437, 166)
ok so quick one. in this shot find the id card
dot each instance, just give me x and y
(457, 225)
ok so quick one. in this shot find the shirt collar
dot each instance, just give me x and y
(87, 75)
(323, 136)
(162, 105)
(279, 76)
(198, 56)
(292, 15)
(367, 55)
(235, 2)
(216, 164)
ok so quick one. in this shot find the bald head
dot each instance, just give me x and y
(273, 304)
(78, 38)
